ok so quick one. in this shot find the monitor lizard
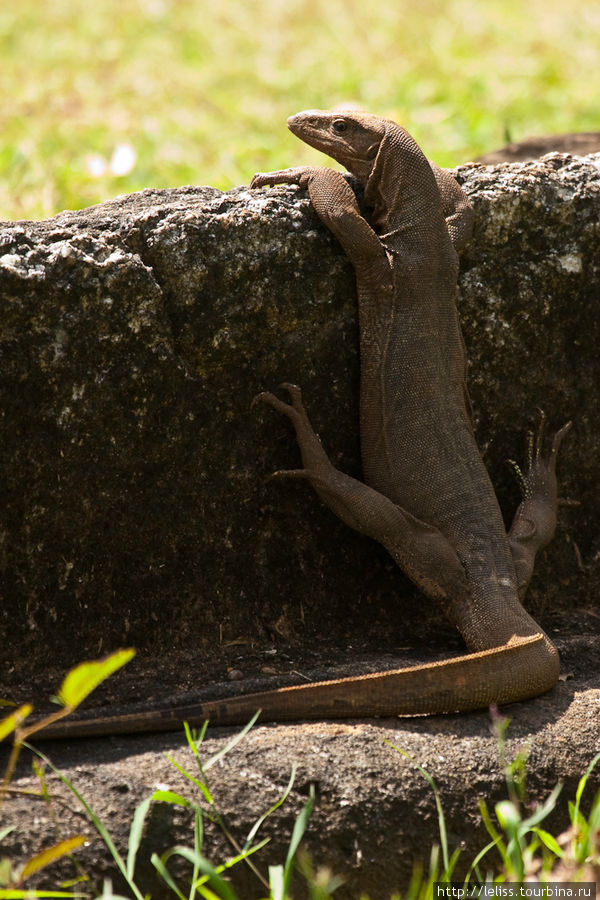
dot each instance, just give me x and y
(426, 495)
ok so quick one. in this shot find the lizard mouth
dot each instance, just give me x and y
(309, 128)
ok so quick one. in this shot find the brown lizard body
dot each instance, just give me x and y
(426, 494)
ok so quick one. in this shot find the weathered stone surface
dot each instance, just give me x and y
(132, 338)
(530, 292)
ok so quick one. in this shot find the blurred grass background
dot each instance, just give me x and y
(102, 97)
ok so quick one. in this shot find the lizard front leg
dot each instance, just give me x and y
(534, 523)
(419, 549)
(335, 203)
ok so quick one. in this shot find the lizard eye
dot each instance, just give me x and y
(339, 126)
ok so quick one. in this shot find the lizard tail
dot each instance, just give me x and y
(516, 671)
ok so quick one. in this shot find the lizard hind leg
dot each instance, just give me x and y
(419, 549)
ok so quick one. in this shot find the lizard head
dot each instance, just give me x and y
(352, 138)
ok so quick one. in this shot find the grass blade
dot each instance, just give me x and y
(495, 835)
(211, 875)
(135, 833)
(13, 720)
(582, 784)
(165, 875)
(139, 817)
(84, 678)
(277, 882)
(233, 742)
(438, 804)
(276, 805)
(50, 855)
(201, 785)
(544, 810)
(549, 841)
(195, 739)
(15, 894)
(474, 865)
(300, 826)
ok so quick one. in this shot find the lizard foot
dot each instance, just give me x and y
(534, 523)
(294, 410)
(296, 175)
(315, 459)
(538, 481)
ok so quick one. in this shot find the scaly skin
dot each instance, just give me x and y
(426, 494)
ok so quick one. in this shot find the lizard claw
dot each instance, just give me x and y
(564, 501)
(260, 398)
(294, 392)
(271, 400)
(261, 179)
(558, 438)
(292, 410)
(289, 473)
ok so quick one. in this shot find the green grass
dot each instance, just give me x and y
(201, 90)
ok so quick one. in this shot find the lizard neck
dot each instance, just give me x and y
(402, 191)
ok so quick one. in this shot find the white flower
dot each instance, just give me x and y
(123, 159)
(96, 165)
